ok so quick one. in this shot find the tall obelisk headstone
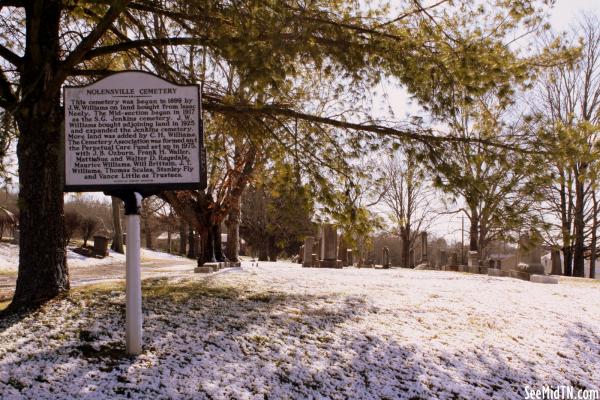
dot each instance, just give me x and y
(330, 248)
(307, 260)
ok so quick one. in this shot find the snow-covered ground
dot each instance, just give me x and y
(9, 257)
(279, 331)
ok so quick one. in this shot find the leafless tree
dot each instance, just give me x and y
(89, 225)
(72, 224)
(568, 103)
(408, 198)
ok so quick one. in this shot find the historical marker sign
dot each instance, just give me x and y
(133, 131)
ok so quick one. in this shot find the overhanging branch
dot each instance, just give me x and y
(7, 97)
(141, 43)
(11, 57)
(77, 55)
(425, 136)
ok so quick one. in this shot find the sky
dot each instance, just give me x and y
(566, 11)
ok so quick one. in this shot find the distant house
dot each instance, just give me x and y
(242, 243)
(546, 261)
(165, 236)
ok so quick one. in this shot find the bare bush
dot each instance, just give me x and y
(89, 225)
(73, 221)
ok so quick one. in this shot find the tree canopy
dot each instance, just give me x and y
(296, 64)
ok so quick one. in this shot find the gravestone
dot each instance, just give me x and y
(318, 249)
(498, 272)
(300, 254)
(100, 246)
(529, 256)
(452, 263)
(329, 247)
(473, 262)
(343, 251)
(443, 258)
(402, 252)
(453, 259)
(350, 257)
(473, 259)
(385, 257)
(543, 279)
(416, 249)
(556, 262)
(423, 245)
(308, 252)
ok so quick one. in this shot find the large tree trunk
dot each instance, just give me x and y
(169, 234)
(405, 236)
(565, 201)
(263, 251)
(474, 230)
(192, 253)
(594, 236)
(117, 244)
(43, 271)
(233, 231)
(216, 242)
(579, 247)
(272, 250)
(148, 233)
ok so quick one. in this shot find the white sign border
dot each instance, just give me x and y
(140, 187)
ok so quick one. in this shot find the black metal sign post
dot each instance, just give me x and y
(132, 135)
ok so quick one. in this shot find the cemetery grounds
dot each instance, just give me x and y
(278, 330)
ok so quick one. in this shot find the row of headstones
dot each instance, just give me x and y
(323, 252)
(529, 267)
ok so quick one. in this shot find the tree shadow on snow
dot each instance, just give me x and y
(209, 341)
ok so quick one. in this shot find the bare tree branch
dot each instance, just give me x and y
(77, 55)
(11, 57)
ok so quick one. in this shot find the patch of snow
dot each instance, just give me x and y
(165, 236)
(9, 257)
(277, 330)
(78, 260)
(147, 254)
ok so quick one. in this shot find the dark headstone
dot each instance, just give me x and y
(423, 243)
(307, 257)
(385, 257)
(556, 262)
(100, 246)
(330, 247)
(443, 258)
(350, 257)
